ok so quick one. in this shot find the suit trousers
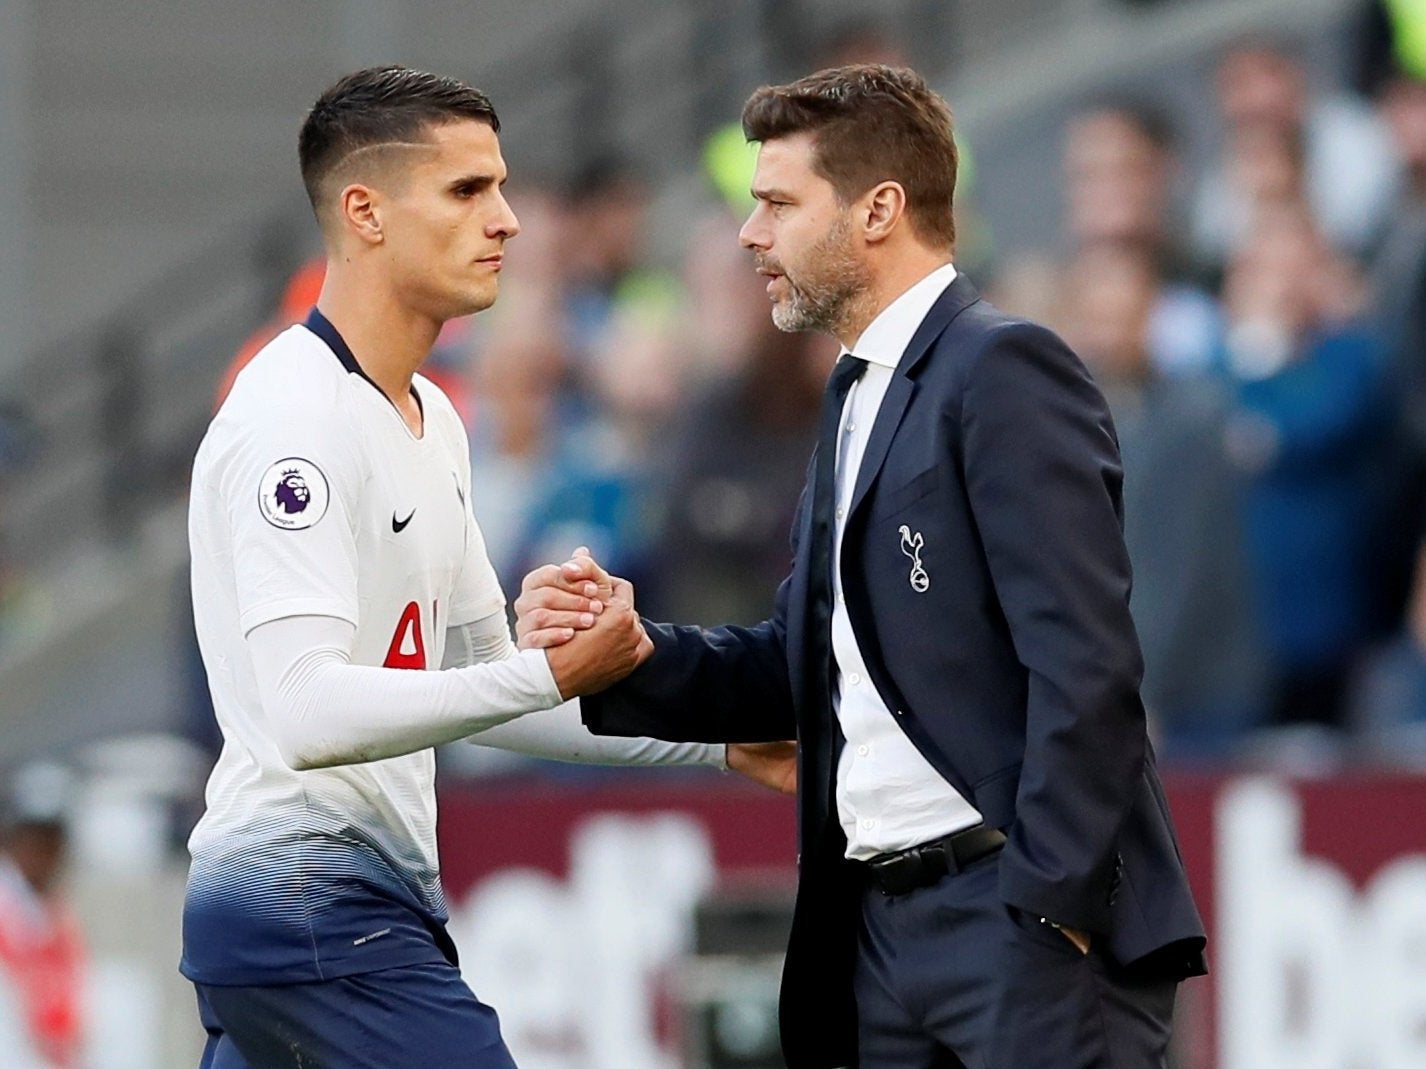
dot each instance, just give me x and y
(949, 977)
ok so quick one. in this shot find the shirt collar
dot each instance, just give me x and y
(887, 336)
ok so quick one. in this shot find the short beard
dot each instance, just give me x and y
(829, 298)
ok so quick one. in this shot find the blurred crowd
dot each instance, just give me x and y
(1253, 306)
(1259, 327)
(1257, 320)
(42, 949)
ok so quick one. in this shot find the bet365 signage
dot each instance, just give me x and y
(1320, 959)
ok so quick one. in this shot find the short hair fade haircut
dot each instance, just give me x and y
(870, 123)
(379, 106)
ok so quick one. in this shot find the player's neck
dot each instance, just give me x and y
(390, 342)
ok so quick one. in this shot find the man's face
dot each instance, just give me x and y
(1404, 108)
(1259, 85)
(801, 238)
(1117, 180)
(445, 221)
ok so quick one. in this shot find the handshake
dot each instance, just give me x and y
(584, 620)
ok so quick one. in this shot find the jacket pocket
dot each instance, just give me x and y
(889, 502)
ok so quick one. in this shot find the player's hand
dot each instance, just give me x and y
(602, 655)
(773, 764)
(559, 600)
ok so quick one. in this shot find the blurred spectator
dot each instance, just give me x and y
(1390, 704)
(604, 493)
(1266, 171)
(517, 363)
(739, 459)
(858, 40)
(41, 949)
(1390, 40)
(1349, 172)
(580, 370)
(1306, 432)
(608, 207)
(1204, 667)
(515, 437)
(1398, 287)
(1120, 167)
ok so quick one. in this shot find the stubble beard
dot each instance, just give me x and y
(829, 299)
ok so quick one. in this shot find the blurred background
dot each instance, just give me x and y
(1221, 204)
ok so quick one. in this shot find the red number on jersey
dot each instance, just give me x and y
(408, 648)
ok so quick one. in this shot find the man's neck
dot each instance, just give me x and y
(890, 280)
(389, 341)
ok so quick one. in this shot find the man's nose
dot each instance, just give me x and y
(753, 235)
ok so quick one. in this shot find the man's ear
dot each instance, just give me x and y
(883, 207)
(359, 208)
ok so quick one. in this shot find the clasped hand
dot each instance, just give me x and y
(584, 620)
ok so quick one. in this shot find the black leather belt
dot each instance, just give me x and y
(921, 866)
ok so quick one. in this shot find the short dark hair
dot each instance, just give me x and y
(378, 106)
(871, 124)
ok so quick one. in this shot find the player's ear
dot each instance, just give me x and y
(360, 213)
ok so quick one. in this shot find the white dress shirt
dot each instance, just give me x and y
(888, 796)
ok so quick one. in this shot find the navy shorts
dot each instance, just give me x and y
(411, 1017)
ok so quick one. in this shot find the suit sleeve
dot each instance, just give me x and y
(1043, 475)
(722, 684)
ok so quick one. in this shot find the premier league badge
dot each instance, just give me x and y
(293, 494)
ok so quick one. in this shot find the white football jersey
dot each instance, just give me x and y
(311, 496)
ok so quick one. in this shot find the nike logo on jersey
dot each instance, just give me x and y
(400, 525)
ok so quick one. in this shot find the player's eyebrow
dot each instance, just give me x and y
(476, 183)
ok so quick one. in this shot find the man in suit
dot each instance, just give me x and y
(988, 873)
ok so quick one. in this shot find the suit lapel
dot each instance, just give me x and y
(888, 418)
(959, 296)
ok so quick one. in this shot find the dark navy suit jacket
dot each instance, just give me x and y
(1015, 672)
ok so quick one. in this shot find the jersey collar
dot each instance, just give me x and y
(321, 326)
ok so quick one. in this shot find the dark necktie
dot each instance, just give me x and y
(818, 631)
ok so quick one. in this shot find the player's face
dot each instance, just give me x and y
(446, 222)
(800, 235)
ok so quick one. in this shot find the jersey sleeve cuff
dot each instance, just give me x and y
(542, 675)
(267, 611)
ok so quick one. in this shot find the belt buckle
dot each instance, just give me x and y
(911, 869)
(895, 874)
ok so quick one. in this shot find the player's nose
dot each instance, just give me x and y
(507, 224)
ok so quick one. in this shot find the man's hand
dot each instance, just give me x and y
(602, 655)
(773, 764)
(559, 600)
